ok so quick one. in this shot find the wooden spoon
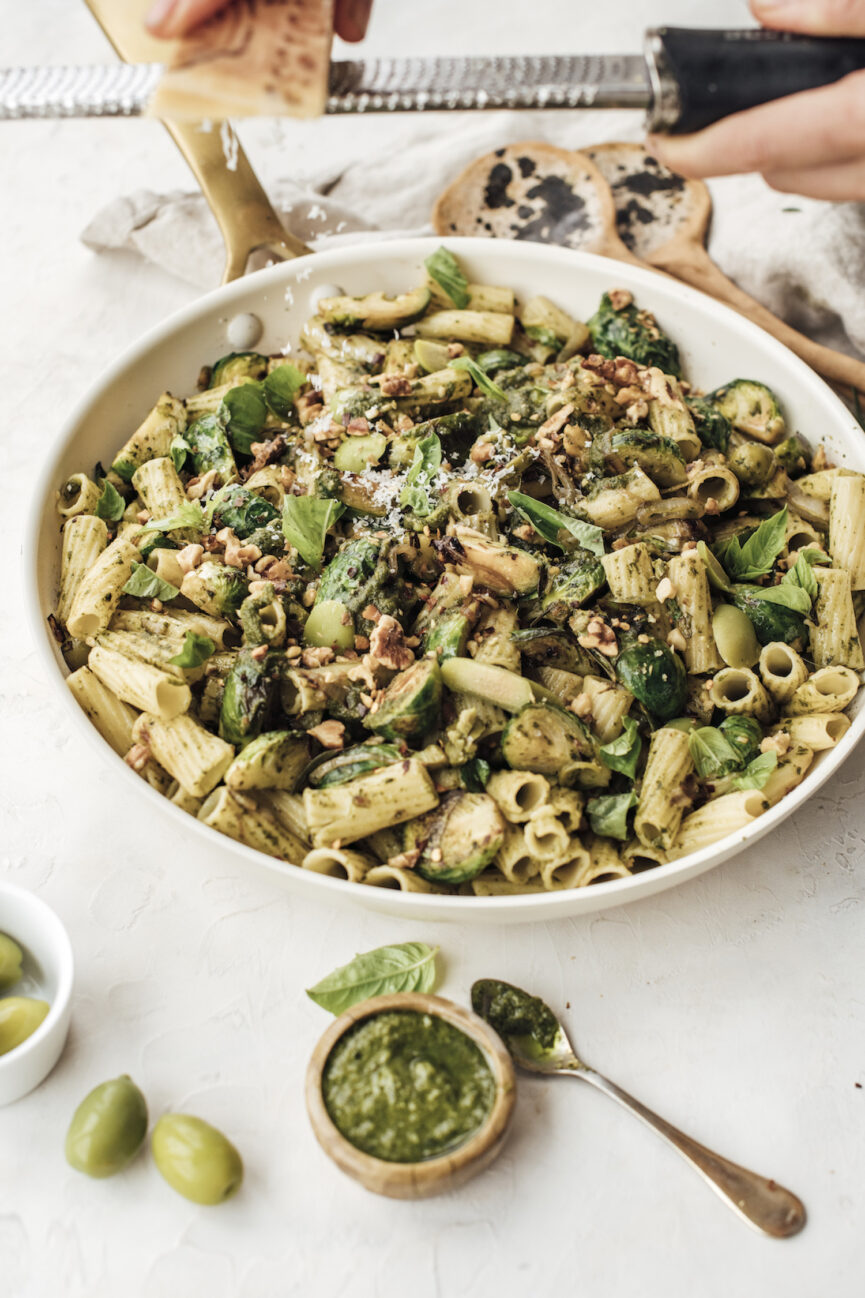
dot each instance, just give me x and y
(616, 200)
(664, 219)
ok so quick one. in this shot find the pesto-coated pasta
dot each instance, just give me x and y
(461, 600)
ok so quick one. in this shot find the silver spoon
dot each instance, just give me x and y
(546, 1049)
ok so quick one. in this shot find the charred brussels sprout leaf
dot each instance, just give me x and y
(743, 734)
(576, 581)
(410, 705)
(770, 620)
(243, 411)
(458, 839)
(475, 774)
(238, 365)
(209, 448)
(499, 358)
(281, 387)
(756, 773)
(349, 764)
(656, 676)
(346, 578)
(146, 585)
(306, 521)
(635, 334)
(249, 697)
(713, 427)
(243, 511)
(623, 753)
(712, 753)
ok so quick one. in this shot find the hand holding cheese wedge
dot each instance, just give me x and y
(250, 57)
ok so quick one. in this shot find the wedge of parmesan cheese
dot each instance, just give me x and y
(256, 58)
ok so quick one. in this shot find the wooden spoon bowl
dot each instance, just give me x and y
(434, 1175)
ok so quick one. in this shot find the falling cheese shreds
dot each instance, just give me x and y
(256, 58)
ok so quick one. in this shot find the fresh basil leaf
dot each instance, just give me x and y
(306, 521)
(147, 585)
(609, 815)
(623, 753)
(281, 387)
(549, 523)
(110, 504)
(474, 774)
(756, 773)
(196, 650)
(714, 571)
(408, 967)
(812, 555)
(756, 556)
(189, 514)
(787, 595)
(712, 753)
(178, 451)
(421, 476)
(444, 268)
(478, 377)
(243, 412)
(802, 574)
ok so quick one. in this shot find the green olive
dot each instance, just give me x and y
(11, 956)
(735, 636)
(330, 624)
(196, 1160)
(20, 1016)
(107, 1129)
(752, 464)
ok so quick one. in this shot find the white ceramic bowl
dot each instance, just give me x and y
(716, 345)
(47, 974)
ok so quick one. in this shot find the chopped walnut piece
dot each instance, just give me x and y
(395, 385)
(330, 734)
(143, 516)
(620, 372)
(237, 555)
(264, 453)
(556, 421)
(404, 860)
(664, 590)
(387, 644)
(711, 505)
(466, 583)
(317, 656)
(777, 743)
(620, 298)
(819, 459)
(599, 636)
(481, 452)
(189, 557)
(259, 652)
(138, 756)
(455, 349)
(582, 706)
(676, 640)
(275, 570)
(361, 642)
(370, 613)
(199, 487)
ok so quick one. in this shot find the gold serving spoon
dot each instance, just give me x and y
(538, 1043)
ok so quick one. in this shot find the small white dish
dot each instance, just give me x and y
(47, 973)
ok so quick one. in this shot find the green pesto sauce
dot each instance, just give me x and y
(513, 1012)
(405, 1086)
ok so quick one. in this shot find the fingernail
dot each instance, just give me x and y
(159, 13)
(358, 17)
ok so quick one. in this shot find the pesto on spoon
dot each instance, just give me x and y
(538, 1043)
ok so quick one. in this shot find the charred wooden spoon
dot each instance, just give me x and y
(538, 1043)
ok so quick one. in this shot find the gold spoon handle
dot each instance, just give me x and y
(761, 1202)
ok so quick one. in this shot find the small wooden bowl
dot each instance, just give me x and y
(434, 1175)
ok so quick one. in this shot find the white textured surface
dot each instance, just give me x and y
(734, 1004)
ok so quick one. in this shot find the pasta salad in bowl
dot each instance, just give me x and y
(469, 595)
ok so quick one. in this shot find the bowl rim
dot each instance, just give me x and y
(65, 974)
(534, 906)
(431, 1171)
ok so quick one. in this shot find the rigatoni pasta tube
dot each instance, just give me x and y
(251, 824)
(781, 670)
(273, 760)
(558, 874)
(830, 689)
(518, 793)
(78, 495)
(389, 876)
(630, 574)
(687, 574)
(158, 484)
(605, 859)
(714, 482)
(493, 884)
(345, 812)
(100, 589)
(139, 683)
(568, 806)
(176, 623)
(847, 527)
(662, 796)
(610, 705)
(515, 858)
(111, 717)
(165, 564)
(817, 731)
(546, 837)
(338, 863)
(565, 685)
(738, 690)
(84, 538)
(789, 772)
(196, 758)
(494, 639)
(835, 637)
(717, 819)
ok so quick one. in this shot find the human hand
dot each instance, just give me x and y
(172, 18)
(811, 143)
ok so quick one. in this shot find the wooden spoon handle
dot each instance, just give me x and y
(694, 265)
(762, 1203)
